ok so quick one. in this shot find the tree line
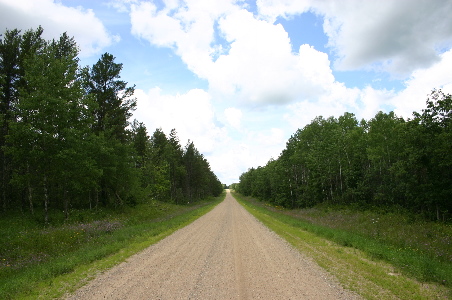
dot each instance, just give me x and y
(386, 161)
(66, 140)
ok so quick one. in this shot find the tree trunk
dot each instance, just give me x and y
(30, 197)
(66, 204)
(30, 191)
(46, 201)
(4, 180)
(437, 212)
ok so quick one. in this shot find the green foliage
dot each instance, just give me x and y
(32, 253)
(382, 236)
(15, 49)
(65, 138)
(386, 161)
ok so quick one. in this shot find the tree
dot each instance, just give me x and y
(159, 176)
(113, 106)
(48, 140)
(115, 102)
(177, 172)
(14, 50)
(436, 158)
(140, 140)
(65, 138)
(201, 182)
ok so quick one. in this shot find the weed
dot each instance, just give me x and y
(305, 232)
(33, 256)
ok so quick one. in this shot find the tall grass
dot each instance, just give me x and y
(34, 256)
(395, 227)
(417, 249)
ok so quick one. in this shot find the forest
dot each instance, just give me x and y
(66, 139)
(386, 162)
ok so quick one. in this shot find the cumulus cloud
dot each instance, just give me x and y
(257, 66)
(398, 36)
(233, 117)
(122, 6)
(231, 160)
(255, 148)
(260, 66)
(401, 36)
(194, 118)
(421, 83)
(55, 18)
(188, 29)
(363, 103)
(191, 114)
(254, 72)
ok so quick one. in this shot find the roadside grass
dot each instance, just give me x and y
(374, 268)
(44, 262)
(400, 229)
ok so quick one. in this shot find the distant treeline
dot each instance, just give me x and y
(384, 162)
(66, 140)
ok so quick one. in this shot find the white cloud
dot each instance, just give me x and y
(274, 137)
(231, 160)
(193, 117)
(398, 36)
(272, 9)
(401, 37)
(252, 69)
(187, 28)
(55, 18)
(258, 66)
(191, 114)
(364, 103)
(372, 101)
(233, 117)
(421, 83)
(233, 157)
(122, 6)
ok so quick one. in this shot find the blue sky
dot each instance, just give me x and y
(240, 77)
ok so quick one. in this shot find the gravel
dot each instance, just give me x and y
(225, 254)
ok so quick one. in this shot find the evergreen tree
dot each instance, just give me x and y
(114, 104)
(47, 140)
(177, 172)
(114, 99)
(15, 48)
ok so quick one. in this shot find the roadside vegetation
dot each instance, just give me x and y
(379, 255)
(81, 185)
(382, 186)
(67, 142)
(386, 162)
(42, 261)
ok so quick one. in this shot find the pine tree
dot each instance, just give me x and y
(114, 104)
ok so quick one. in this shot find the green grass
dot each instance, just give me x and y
(376, 268)
(38, 261)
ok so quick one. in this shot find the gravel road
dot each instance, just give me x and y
(225, 254)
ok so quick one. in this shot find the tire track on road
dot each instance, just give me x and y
(225, 254)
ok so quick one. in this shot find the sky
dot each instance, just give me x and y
(239, 77)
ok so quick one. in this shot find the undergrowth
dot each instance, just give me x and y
(417, 249)
(33, 255)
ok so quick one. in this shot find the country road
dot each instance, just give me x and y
(225, 254)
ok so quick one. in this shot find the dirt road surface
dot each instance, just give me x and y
(225, 254)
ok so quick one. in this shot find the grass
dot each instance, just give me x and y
(42, 262)
(401, 230)
(374, 267)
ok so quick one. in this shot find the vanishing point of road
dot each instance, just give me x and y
(225, 254)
